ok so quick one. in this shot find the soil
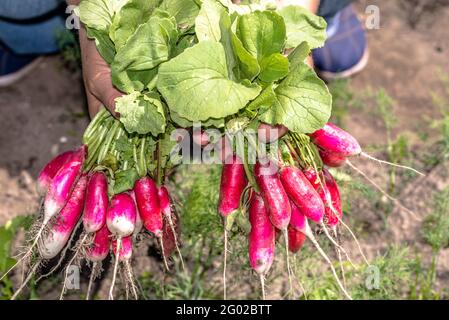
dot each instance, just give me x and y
(46, 113)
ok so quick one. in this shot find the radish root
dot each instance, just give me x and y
(310, 235)
(287, 256)
(75, 255)
(163, 253)
(225, 258)
(28, 278)
(95, 271)
(381, 190)
(29, 251)
(130, 279)
(326, 231)
(363, 154)
(114, 277)
(262, 285)
(340, 261)
(172, 227)
(62, 256)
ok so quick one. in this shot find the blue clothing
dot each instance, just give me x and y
(29, 26)
(345, 45)
(329, 8)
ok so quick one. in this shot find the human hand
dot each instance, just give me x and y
(97, 77)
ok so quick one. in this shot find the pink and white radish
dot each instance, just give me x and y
(123, 254)
(98, 251)
(49, 171)
(296, 239)
(147, 198)
(302, 193)
(97, 201)
(336, 142)
(232, 185)
(121, 221)
(172, 236)
(59, 233)
(261, 238)
(61, 186)
(276, 202)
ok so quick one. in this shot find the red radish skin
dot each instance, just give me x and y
(261, 237)
(121, 215)
(329, 194)
(139, 223)
(298, 220)
(123, 248)
(274, 195)
(96, 203)
(148, 205)
(49, 171)
(332, 160)
(233, 182)
(302, 193)
(334, 214)
(296, 239)
(333, 139)
(164, 201)
(126, 249)
(62, 184)
(100, 246)
(50, 245)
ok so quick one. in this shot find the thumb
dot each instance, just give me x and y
(104, 91)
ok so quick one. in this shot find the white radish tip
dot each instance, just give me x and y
(121, 226)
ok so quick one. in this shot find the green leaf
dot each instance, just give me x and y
(265, 99)
(197, 87)
(184, 11)
(129, 81)
(273, 68)
(207, 24)
(299, 55)
(141, 113)
(98, 14)
(184, 123)
(303, 103)
(7, 233)
(214, 23)
(185, 42)
(148, 47)
(262, 33)
(104, 44)
(302, 25)
(125, 180)
(248, 65)
(125, 22)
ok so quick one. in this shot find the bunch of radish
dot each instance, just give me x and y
(80, 201)
(286, 192)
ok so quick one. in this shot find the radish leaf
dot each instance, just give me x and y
(184, 11)
(129, 18)
(261, 33)
(274, 67)
(141, 113)
(197, 87)
(303, 102)
(302, 25)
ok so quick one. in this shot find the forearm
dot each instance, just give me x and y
(311, 5)
(73, 2)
